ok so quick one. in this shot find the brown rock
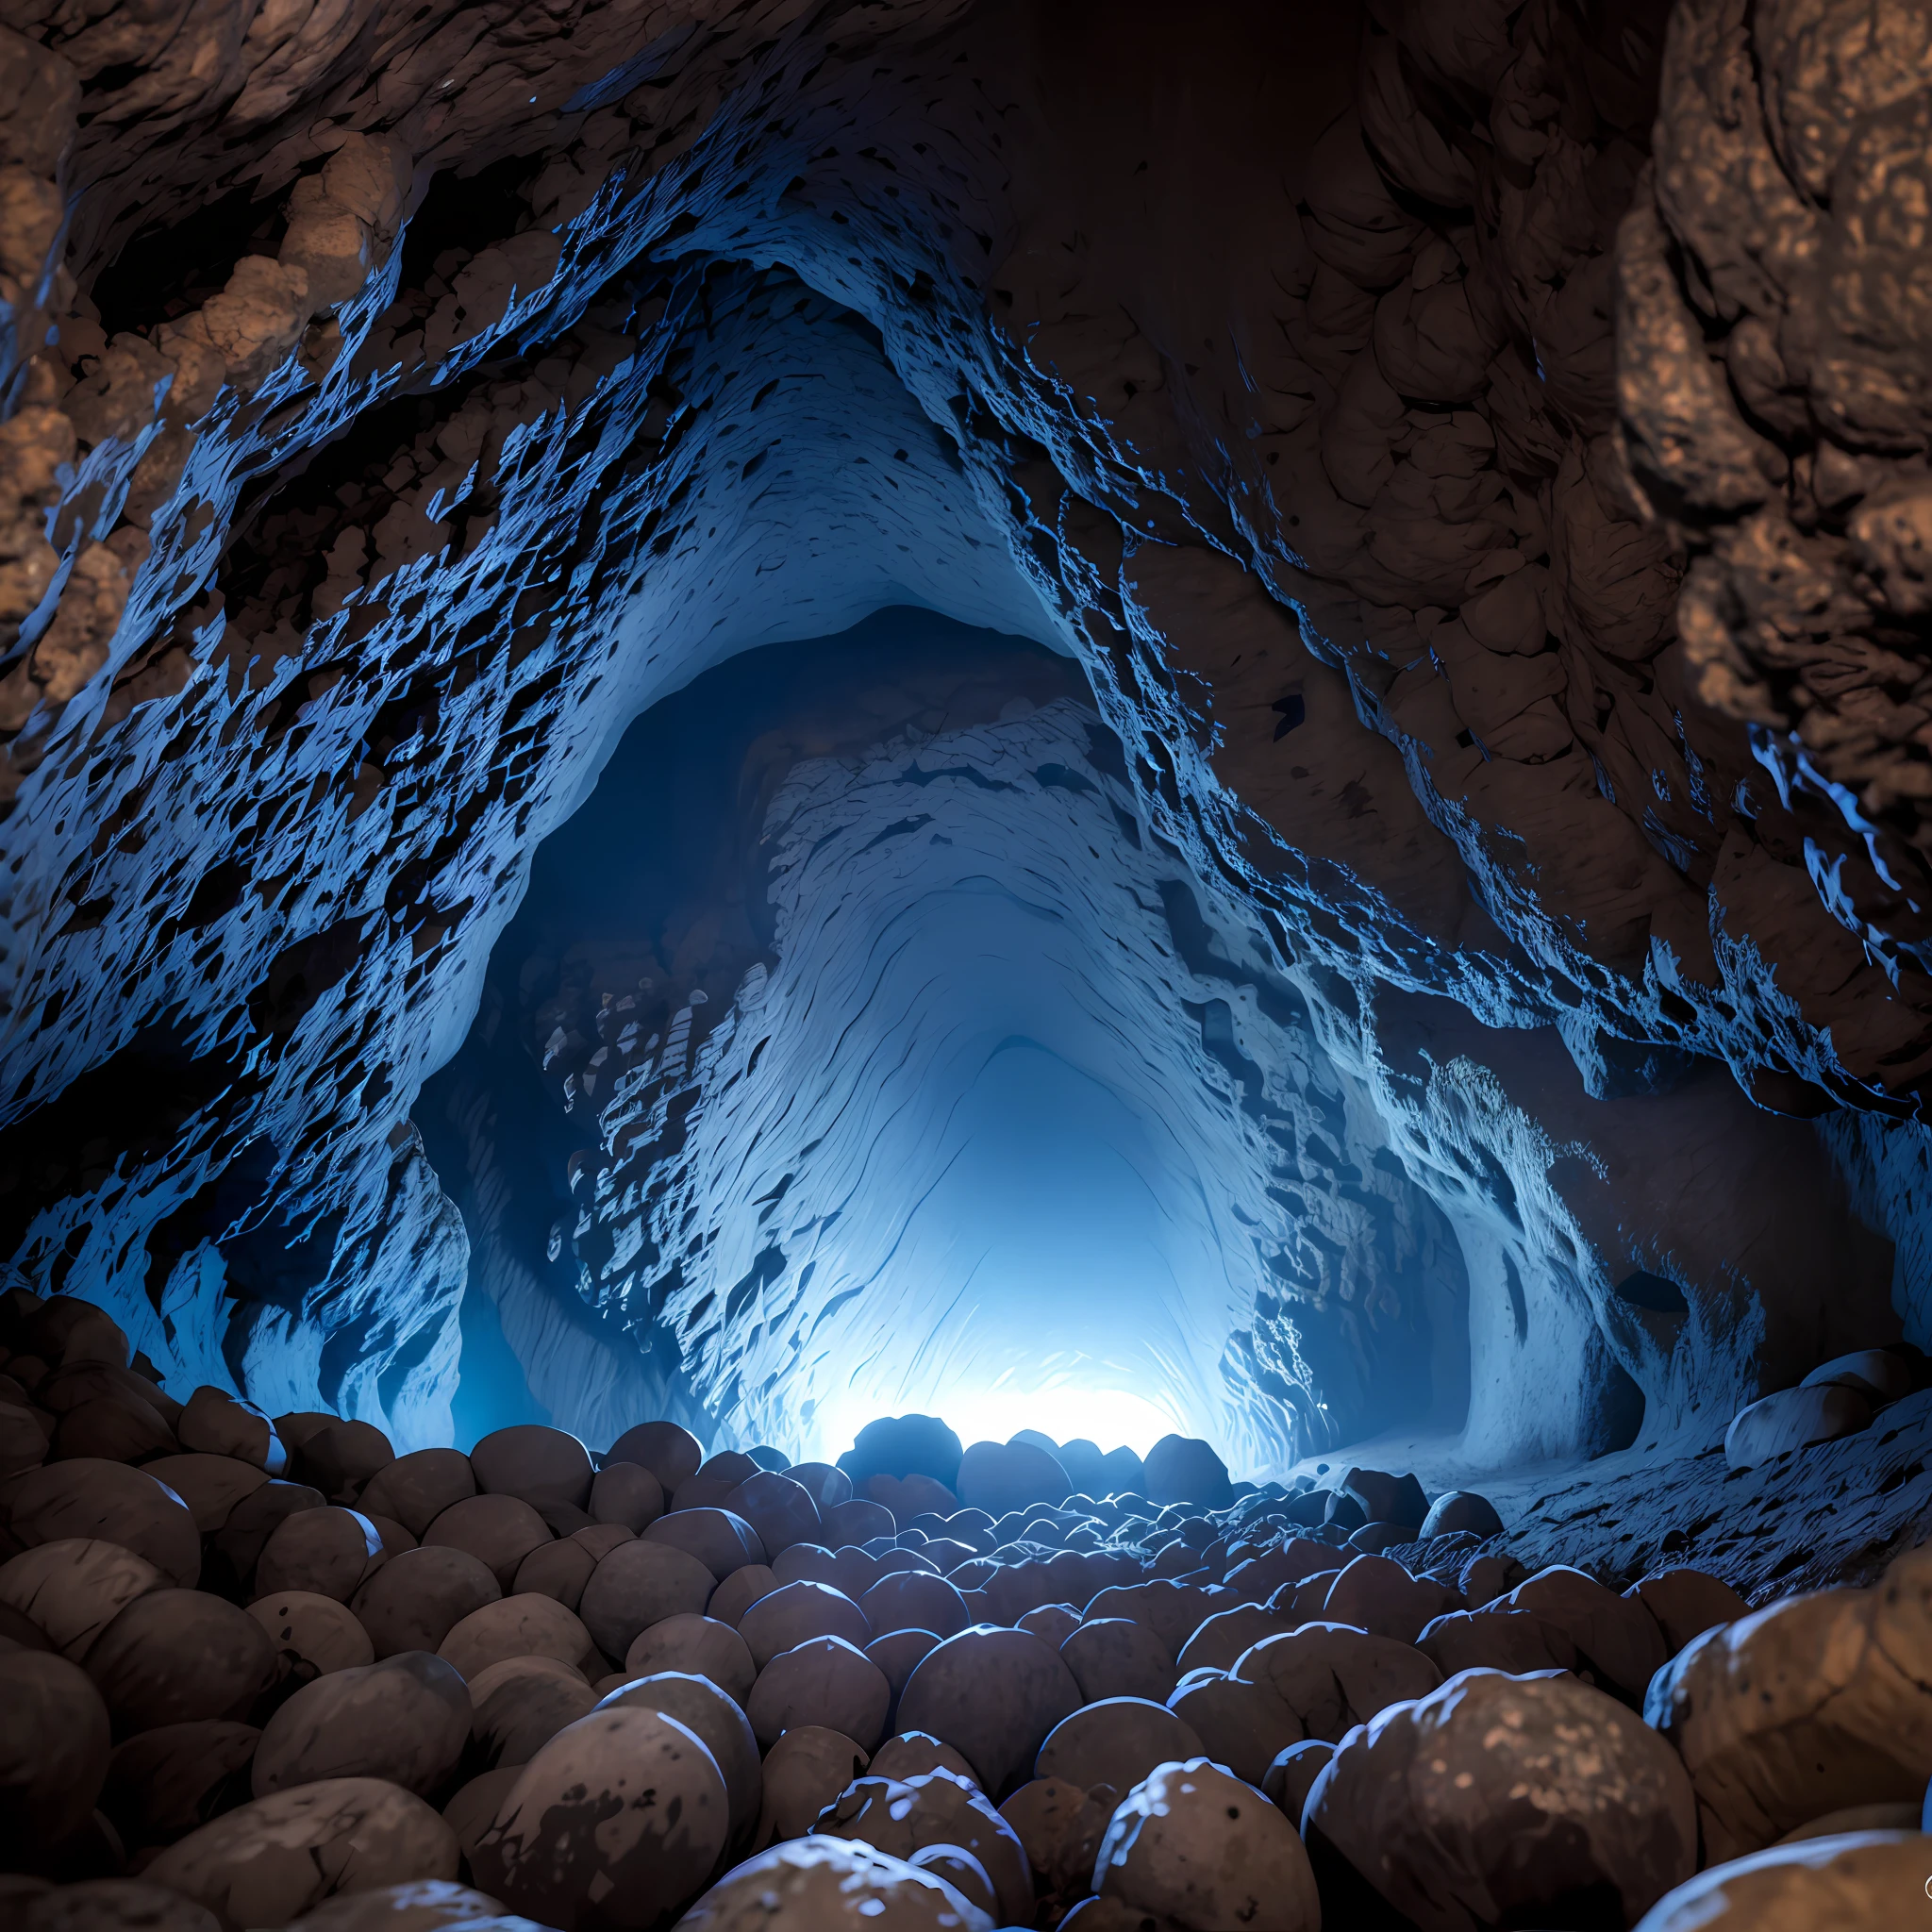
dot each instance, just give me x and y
(720, 1723)
(993, 1695)
(534, 1462)
(214, 1423)
(339, 1457)
(500, 1531)
(898, 1654)
(472, 1810)
(315, 1630)
(1243, 1727)
(173, 1656)
(73, 1588)
(1059, 1828)
(414, 1602)
(241, 1539)
(115, 1904)
(832, 1885)
(1618, 1637)
(637, 1585)
(406, 1719)
(698, 1646)
(1115, 1742)
(1868, 1882)
(671, 1454)
(745, 1587)
(1291, 1777)
(523, 1712)
(936, 1809)
(795, 1612)
(779, 1511)
(1222, 1638)
(1685, 1604)
(54, 1750)
(519, 1627)
(913, 1754)
(212, 1486)
(1116, 1657)
(421, 1905)
(804, 1771)
(416, 1489)
(118, 1429)
(558, 1570)
(1517, 1642)
(626, 1493)
(1333, 1677)
(1378, 1595)
(824, 1682)
(721, 1541)
(329, 1551)
(113, 1503)
(164, 1783)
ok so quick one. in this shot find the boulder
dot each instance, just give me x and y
(313, 1630)
(268, 1862)
(212, 1486)
(1618, 1638)
(414, 1601)
(1059, 1827)
(1117, 1656)
(908, 1496)
(795, 1612)
(1115, 1742)
(1378, 1595)
(499, 1531)
(173, 1656)
(600, 1538)
(672, 1455)
(1517, 1642)
(520, 1711)
(1384, 1498)
(534, 1462)
(824, 1682)
(1051, 1622)
(115, 1904)
(1795, 1419)
(993, 1695)
(472, 1810)
(641, 1583)
(1498, 1800)
(217, 1423)
(780, 1511)
(519, 1627)
(1290, 1776)
(241, 1539)
(1859, 1882)
(1683, 1602)
(558, 1570)
(697, 1646)
(626, 1493)
(827, 1485)
(958, 1868)
(832, 1885)
(902, 1446)
(116, 1429)
(1219, 1639)
(416, 1489)
(903, 1819)
(108, 1502)
(1461, 1509)
(164, 1783)
(856, 1521)
(339, 1457)
(54, 1750)
(1183, 1469)
(898, 1654)
(407, 1720)
(330, 1551)
(1192, 1847)
(73, 1588)
(1808, 1706)
(804, 1771)
(745, 1587)
(914, 1754)
(423, 1906)
(999, 1476)
(1876, 1374)
(615, 1824)
(1242, 1727)
(721, 1541)
(1333, 1677)
(715, 1718)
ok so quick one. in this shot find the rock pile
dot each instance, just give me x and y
(260, 1671)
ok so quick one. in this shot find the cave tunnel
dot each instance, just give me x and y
(1041, 879)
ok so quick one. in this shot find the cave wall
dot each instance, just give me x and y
(358, 504)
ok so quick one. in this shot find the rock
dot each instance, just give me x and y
(115, 1904)
(1515, 1641)
(910, 1495)
(1116, 1657)
(406, 1719)
(1333, 1677)
(414, 1601)
(824, 1682)
(241, 1539)
(1052, 1623)
(472, 1810)
(417, 1488)
(1291, 1777)
(1219, 1639)
(902, 1818)
(914, 1754)
(698, 1646)
(270, 1862)
(1174, 1611)
(902, 1446)
(715, 1718)
(1851, 1884)
(780, 1511)
(1795, 1419)
(217, 1423)
(999, 1476)
(108, 1502)
(519, 1627)
(1810, 1705)
(54, 1749)
(1378, 1595)
(1461, 1509)
(73, 1588)
(1876, 1374)
(1181, 1469)
(212, 1486)
(856, 1521)
(626, 1493)
(1620, 1639)
(993, 1695)
(795, 1612)
(616, 1822)
(1192, 1847)
(175, 1655)
(602, 1538)
(828, 1486)
(1117, 1742)
(520, 1712)
(1385, 1498)
(1499, 1800)
(499, 1531)
(1684, 1604)
(721, 1541)
(672, 1455)
(960, 1870)
(639, 1584)
(1241, 1726)
(1859, 1817)
(315, 1629)
(898, 1654)
(116, 1429)
(558, 1570)
(1485, 1579)
(740, 1591)
(332, 1552)
(823, 1884)
(164, 1783)
(804, 1771)
(1059, 1827)
(423, 1906)
(534, 1462)
(911, 1600)
(336, 1456)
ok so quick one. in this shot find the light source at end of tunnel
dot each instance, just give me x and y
(1055, 1404)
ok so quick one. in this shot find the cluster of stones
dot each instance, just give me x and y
(1837, 1398)
(264, 1672)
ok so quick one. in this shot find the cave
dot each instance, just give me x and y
(991, 930)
